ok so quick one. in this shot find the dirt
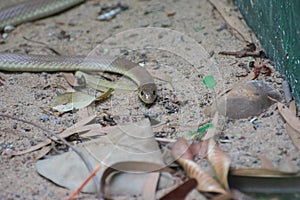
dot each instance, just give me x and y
(173, 39)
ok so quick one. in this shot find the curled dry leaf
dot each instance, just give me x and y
(182, 153)
(220, 161)
(205, 182)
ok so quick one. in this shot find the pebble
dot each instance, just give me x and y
(44, 118)
(26, 129)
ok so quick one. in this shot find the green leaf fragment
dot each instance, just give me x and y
(209, 82)
(200, 131)
(204, 127)
(199, 28)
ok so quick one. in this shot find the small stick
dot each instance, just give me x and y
(94, 172)
(243, 53)
(52, 133)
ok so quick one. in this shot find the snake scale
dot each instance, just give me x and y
(36, 9)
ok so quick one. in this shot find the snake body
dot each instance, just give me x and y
(46, 63)
(35, 9)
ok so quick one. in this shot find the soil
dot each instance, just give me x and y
(172, 39)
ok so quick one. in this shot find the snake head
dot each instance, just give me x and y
(148, 93)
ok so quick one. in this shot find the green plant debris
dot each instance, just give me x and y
(197, 135)
(209, 82)
(199, 28)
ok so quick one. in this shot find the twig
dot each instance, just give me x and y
(244, 53)
(94, 172)
(53, 134)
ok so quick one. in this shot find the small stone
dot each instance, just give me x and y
(44, 118)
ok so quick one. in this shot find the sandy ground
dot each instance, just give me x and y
(186, 54)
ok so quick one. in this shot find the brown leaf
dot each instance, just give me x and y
(77, 128)
(205, 182)
(289, 116)
(70, 78)
(43, 152)
(181, 191)
(220, 161)
(294, 135)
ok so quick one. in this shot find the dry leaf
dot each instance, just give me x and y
(43, 152)
(220, 161)
(294, 135)
(181, 191)
(70, 78)
(289, 116)
(130, 142)
(150, 185)
(79, 127)
(205, 182)
(182, 152)
(71, 101)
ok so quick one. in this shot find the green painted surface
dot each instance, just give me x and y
(277, 25)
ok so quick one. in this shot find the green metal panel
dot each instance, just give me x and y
(277, 25)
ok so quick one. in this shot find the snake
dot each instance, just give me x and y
(36, 9)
